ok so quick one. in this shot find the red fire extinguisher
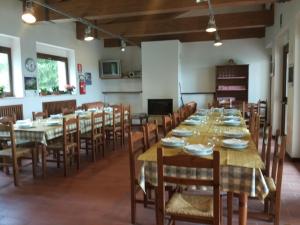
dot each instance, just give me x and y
(82, 86)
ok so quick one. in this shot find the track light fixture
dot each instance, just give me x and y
(218, 41)
(123, 45)
(28, 14)
(88, 34)
(211, 27)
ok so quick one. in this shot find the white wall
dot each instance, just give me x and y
(276, 37)
(131, 60)
(199, 60)
(63, 35)
(160, 61)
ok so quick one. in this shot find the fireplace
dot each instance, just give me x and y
(160, 106)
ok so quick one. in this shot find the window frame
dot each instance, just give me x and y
(56, 58)
(6, 50)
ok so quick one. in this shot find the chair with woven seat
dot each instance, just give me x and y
(175, 119)
(189, 207)
(137, 145)
(167, 124)
(95, 138)
(114, 129)
(151, 130)
(11, 154)
(68, 146)
(126, 114)
(39, 115)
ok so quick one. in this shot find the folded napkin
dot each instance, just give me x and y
(234, 142)
(172, 140)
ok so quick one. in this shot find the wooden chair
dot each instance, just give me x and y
(175, 119)
(67, 111)
(167, 124)
(274, 182)
(114, 129)
(69, 146)
(9, 118)
(137, 145)
(189, 207)
(151, 130)
(126, 113)
(39, 115)
(11, 154)
(95, 138)
(263, 112)
(266, 148)
(254, 127)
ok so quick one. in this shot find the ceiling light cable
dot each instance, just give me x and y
(81, 20)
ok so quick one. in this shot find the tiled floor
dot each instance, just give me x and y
(99, 195)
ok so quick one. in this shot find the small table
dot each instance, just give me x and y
(141, 117)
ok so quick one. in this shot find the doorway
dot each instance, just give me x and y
(284, 98)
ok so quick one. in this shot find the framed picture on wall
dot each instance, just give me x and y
(88, 78)
(30, 83)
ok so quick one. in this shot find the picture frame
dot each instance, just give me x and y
(30, 83)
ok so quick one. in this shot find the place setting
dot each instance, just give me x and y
(235, 143)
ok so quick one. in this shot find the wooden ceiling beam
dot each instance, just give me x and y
(191, 24)
(194, 37)
(103, 9)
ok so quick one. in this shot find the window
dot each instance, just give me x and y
(6, 71)
(52, 72)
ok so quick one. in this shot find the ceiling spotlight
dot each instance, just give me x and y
(28, 14)
(123, 45)
(218, 41)
(88, 34)
(211, 27)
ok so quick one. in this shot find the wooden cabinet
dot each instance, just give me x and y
(232, 82)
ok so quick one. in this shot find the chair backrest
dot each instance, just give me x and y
(126, 114)
(39, 115)
(167, 124)
(254, 127)
(93, 105)
(277, 170)
(192, 106)
(189, 161)
(8, 127)
(67, 111)
(9, 119)
(151, 130)
(71, 134)
(10, 110)
(266, 148)
(56, 106)
(279, 152)
(137, 145)
(176, 119)
(97, 124)
(117, 120)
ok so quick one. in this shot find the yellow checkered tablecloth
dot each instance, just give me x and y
(240, 169)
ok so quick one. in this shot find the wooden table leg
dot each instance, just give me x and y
(229, 208)
(159, 215)
(44, 161)
(243, 208)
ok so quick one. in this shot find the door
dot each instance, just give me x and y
(284, 89)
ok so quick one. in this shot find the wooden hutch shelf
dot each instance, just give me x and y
(232, 82)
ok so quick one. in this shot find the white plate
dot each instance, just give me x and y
(172, 142)
(232, 122)
(54, 123)
(23, 121)
(234, 134)
(202, 112)
(25, 126)
(191, 122)
(197, 118)
(235, 143)
(56, 116)
(232, 117)
(198, 149)
(182, 132)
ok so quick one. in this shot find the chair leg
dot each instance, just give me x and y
(114, 140)
(133, 204)
(78, 157)
(94, 149)
(16, 172)
(65, 163)
(229, 208)
(33, 155)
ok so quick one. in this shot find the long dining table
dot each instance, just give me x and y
(42, 132)
(241, 170)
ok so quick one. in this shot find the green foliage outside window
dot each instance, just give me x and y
(47, 73)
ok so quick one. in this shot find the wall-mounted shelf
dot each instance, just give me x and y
(121, 78)
(199, 93)
(122, 92)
